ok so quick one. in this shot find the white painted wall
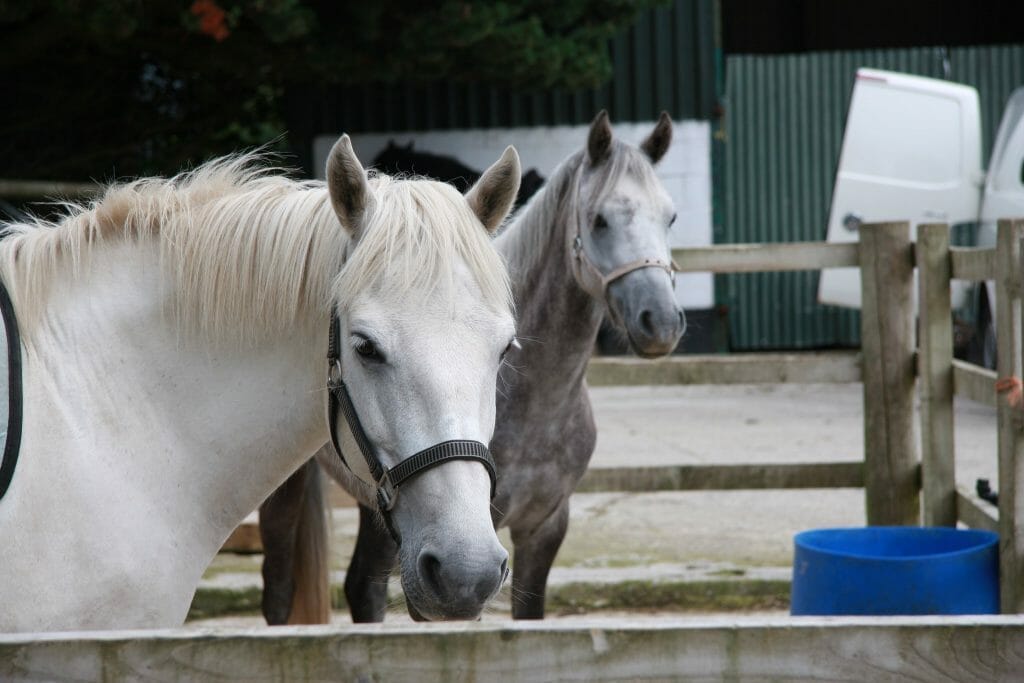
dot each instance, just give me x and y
(685, 170)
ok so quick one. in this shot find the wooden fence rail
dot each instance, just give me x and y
(892, 472)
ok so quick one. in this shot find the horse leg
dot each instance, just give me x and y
(280, 518)
(366, 581)
(534, 553)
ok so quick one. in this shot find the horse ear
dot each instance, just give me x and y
(599, 141)
(492, 196)
(347, 185)
(658, 141)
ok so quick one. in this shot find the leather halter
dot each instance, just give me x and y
(388, 480)
(12, 446)
(595, 283)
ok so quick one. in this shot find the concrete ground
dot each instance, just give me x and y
(701, 551)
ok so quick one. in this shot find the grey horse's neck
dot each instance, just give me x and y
(557, 322)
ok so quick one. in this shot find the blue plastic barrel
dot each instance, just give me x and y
(895, 570)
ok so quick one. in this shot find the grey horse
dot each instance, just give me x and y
(593, 241)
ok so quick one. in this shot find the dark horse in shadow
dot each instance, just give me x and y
(404, 160)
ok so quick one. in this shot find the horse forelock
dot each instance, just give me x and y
(414, 234)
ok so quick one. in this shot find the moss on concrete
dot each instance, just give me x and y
(219, 602)
(726, 595)
(729, 595)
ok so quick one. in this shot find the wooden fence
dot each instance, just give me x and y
(901, 487)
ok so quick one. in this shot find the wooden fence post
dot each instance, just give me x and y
(887, 346)
(1011, 443)
(935, 375)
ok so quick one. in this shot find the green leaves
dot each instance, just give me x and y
(105, 87)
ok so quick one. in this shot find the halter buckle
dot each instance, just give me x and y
(334, 374)
(386, 492)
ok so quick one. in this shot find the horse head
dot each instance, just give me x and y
(620, 249)
(424, 317)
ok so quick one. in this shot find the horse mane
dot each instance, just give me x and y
(249, 250)
(549, 213)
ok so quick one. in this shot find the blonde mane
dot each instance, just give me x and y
(247, 250)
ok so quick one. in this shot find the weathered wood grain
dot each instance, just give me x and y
(748, 368)
(887, 345)
(973, 263)
(1011, 443)
(935, 376)
(724, 477)
(974, 382)
(765, 257)
(726, 649)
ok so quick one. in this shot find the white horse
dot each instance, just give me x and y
(174, 338)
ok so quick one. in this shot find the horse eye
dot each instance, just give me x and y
(514, 344)
(368, 350)
(673, 221)
(600, 223)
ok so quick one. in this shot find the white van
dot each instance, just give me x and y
(912, 151)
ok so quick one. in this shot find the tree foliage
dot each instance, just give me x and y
(126, 87)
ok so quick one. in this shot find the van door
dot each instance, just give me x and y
(1003, 198)
(1004, 184)
(911, 151)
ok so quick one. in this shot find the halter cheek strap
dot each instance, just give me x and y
(388, 481)
(12, 444)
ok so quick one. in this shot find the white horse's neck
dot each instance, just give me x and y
(212, 429)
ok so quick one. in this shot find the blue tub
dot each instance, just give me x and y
(895, 570)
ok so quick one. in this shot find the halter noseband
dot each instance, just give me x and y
(594, 282)
(388, 480)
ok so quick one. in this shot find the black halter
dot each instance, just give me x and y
(14, 416)
(388, 480)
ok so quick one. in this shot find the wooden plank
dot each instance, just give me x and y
(724, 477)
(973, 263)
(40, 189)
(887, 344)
(974, 382)
(1011, 445)
(754, 368)
(935, 376)
(766, 257)
(975, 512)
(245, 539)
(964, 648)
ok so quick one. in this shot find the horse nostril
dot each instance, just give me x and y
(646, 323)
(682, 323)
(504, 570)
(430, 571)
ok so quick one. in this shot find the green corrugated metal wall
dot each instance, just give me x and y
(664, 61)
(784, 124)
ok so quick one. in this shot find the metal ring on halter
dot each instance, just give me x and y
(386, 492)
(334, 374)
